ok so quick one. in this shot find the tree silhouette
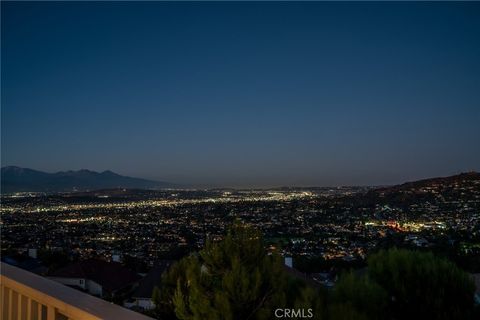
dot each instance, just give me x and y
(236, 279)
(422, 286)
(358, 297)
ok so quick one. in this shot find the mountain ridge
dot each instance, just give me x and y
(18, 179)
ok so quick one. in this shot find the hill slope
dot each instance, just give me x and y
(461, 187)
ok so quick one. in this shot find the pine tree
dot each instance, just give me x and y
(421, 285)
(358, 297)
(236, 279)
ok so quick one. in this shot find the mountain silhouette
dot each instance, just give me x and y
(16, 179)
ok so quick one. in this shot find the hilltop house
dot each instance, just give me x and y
(97, 277)
(142, 296)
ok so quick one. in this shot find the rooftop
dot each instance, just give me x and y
(111, 275)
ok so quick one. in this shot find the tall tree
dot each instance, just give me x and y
(422, 286)
(358, 297)
(236, 279)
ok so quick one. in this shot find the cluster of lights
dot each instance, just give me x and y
(271, 196)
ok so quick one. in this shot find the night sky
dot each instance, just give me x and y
(243, 94)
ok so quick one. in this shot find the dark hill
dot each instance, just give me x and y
(453, 188)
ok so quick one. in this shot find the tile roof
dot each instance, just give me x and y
(152, 279)
(112, 276)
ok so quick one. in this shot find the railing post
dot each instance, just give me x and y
(10, 304)
(2, 302)
(19, 306)
(50, 313)
(29, 308)
(39, 311)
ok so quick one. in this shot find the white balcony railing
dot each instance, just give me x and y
(27, 296)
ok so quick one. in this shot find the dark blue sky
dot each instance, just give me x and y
(243, 94)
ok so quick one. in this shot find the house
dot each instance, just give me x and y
(290, 270)
(476, 280)
(142, 296)
(29, 263)
(97, 277)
